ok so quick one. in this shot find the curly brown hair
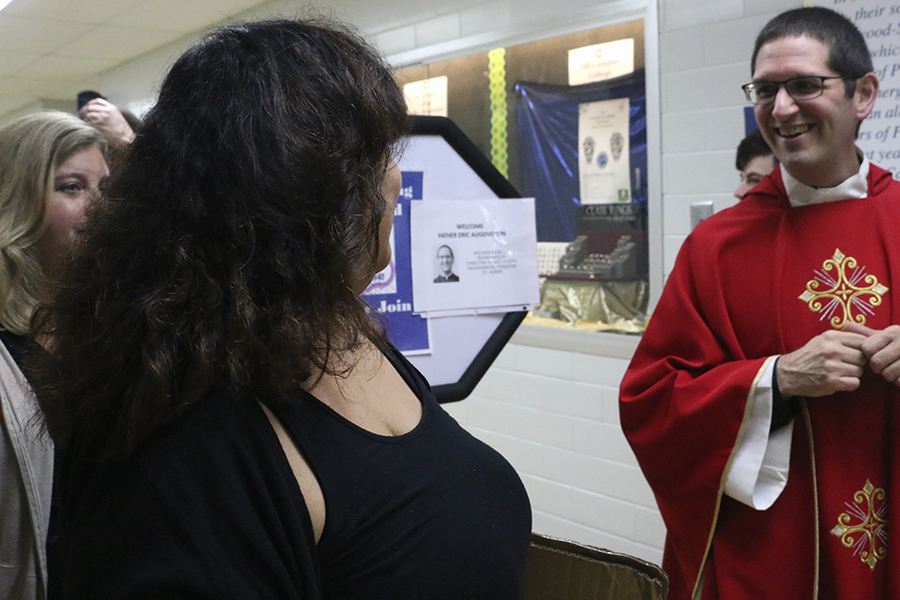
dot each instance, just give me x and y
(224, 251)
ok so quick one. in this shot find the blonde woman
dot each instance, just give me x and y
(51, 164)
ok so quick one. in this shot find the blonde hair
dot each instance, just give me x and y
(31, 148)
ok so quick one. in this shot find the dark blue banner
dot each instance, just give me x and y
(390, 292)
(547, 118)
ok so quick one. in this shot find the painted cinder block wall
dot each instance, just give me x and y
(704, 58)
(551, 408)
(554, 414)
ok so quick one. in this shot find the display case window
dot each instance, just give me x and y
(579, 150)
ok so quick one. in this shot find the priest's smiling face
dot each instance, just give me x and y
(813, 138)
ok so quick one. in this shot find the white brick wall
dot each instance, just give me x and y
(554, 415)
(705, 48)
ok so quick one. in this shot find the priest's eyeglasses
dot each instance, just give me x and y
(799, 88)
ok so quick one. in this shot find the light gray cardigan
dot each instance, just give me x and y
(26, 481)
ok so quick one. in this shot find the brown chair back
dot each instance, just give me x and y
(564, 570)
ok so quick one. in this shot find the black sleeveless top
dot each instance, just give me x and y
(434, 513)
(209, 508)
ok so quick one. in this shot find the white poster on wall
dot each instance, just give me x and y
(472, 257)
(879, 135)
(603, 151)
(600, 62)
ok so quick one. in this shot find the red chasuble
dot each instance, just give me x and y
(753, 281)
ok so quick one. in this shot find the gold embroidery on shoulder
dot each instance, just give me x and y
(868, 518)
(842, 291)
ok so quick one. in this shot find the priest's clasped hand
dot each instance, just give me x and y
(830, 362)
(882, 348)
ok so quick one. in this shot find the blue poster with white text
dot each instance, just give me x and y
(390, 292)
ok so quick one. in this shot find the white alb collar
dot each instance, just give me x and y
(855, 186)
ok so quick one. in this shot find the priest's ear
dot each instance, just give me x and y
(865, 95)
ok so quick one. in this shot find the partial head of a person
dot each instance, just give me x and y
(265, 169)
(754, 160)
(812, 85)
(51, 167)
(445, 260)
(249, 213)
(283, 131)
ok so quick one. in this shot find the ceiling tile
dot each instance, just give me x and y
(180, 16)
(13, 62)
(54, 48)
(37, 36)
(80, 11)
(122, 42)
(65, 68)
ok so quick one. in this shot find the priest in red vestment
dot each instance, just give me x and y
(763, 396)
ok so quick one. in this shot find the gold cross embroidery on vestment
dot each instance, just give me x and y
(842, 291)
(864, 526)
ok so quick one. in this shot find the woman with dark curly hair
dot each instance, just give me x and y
(51, 166)
(231, 421)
